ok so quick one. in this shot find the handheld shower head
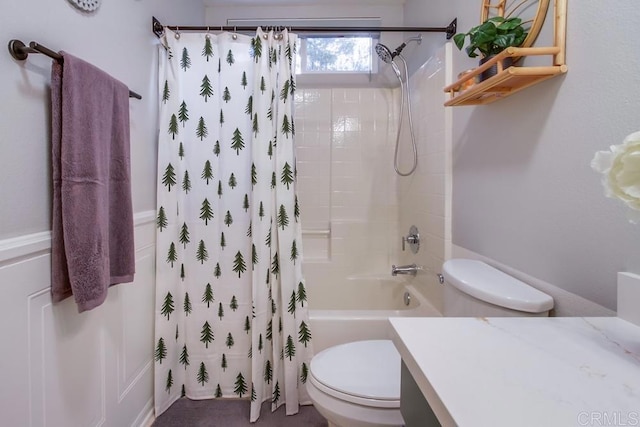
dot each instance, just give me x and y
(384, 53)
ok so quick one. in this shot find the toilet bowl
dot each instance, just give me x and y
(358, 384)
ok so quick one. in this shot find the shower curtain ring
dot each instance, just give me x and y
(177, 36)
(208, 36)
(234, 36)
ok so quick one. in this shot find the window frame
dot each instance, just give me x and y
(302, 54)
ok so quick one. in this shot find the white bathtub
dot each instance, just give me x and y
(352, 322)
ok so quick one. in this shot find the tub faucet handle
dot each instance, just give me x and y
(411, 269)
(413, 238)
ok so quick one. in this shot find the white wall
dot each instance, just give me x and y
(523, 192)
(61, 367)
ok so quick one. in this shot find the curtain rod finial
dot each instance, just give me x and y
(452, 28)
(157, 27)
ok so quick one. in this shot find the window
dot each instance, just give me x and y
(323, 54)
(347, 54)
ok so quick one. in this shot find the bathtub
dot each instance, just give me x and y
(364, 305)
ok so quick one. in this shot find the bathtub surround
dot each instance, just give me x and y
(348, 186)
(424, 198)
(231, 302)
(369, 320)
(346, 181)
(92, 237)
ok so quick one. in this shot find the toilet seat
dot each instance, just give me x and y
(366, 373)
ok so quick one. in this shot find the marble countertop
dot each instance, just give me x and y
(578, 371)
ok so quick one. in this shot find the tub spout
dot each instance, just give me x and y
(411, 269)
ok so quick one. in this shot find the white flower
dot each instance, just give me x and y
(620, 169)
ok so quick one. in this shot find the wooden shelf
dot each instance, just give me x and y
(507, 82)
(513, 79)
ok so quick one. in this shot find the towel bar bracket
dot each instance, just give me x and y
(18, 50)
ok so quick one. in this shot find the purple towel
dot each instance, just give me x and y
(92, 232)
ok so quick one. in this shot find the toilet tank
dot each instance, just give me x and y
(475, 289)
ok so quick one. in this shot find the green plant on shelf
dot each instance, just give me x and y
(492, 36)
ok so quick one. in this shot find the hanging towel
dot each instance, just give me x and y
(92, 230)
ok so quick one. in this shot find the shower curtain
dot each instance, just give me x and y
(231, 304)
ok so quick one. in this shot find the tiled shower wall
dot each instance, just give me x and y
(425, 196)
(346, 185)
(354, 207)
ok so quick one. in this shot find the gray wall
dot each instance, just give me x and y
(118, 39)
(523, 191)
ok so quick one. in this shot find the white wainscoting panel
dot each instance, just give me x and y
(62, 368)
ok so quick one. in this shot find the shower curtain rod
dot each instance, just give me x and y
(20, 52)
(450, 30)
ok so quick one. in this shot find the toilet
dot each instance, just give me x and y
(358, 384)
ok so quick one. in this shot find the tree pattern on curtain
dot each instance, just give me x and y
(231, 305)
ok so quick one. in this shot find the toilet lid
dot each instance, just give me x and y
(491, 285)
(365, 370)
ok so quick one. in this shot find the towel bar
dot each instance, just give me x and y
(20, 52)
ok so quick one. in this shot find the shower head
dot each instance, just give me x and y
(385, 53)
